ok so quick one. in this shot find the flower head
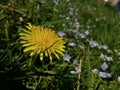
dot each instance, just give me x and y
(118, 79)
(43, 41)
(104, 66)
(105, 75)
(77, 70)
(93, 43)
(67, 57)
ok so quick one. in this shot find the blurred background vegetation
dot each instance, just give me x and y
(17, 71)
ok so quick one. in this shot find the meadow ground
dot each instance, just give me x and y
(91, 36)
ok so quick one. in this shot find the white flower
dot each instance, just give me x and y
(109, 59)
(102, 56)
(38, 7)
(76, 71)
(109, 51)
(105, 47)
(105, 0)
(95, 71)
(87, 32)
(21, 19)
(118, 79)
(71, 44)
(67, 18)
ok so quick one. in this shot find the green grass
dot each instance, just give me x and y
(62, 15)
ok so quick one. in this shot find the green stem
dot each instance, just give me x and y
(12, 9)
(78, 82)
(90, 74)
(6, 32)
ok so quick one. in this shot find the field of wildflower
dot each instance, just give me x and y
(59, 45)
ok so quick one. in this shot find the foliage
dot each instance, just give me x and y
(91, 32)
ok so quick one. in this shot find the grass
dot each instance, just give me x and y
(91, 32)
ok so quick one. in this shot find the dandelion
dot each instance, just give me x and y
(42, 41)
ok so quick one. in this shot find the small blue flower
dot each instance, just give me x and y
(102, 56)
(77, 70)
(82, 35)
(105, 75)
(21, 19)
(75, 61)
(105, 47)
(67, 57)
(95, 71)
(75, 31)
(104, 66)
(88, 26)
(109, 51)
(24, 14)
(87, 32)
(118, 79)
(109, 59)
(118, 58)
(61, 33)
(96, 19)
(38, 7)
(67, 18)
(93, 43)
(106, 58)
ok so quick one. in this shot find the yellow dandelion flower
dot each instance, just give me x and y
(42, 41)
